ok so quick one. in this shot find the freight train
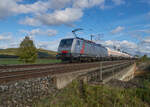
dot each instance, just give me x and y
(79, 49)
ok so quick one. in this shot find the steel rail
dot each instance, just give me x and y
(2, 72)
(6, 67)
(42, 70)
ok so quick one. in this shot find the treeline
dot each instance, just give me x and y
(8, 56)
(144, 58)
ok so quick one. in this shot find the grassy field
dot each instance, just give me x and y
(9, 61)
(87, 95)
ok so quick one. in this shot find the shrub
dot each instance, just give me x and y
(27, 51)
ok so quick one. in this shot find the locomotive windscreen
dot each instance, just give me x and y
(66, 42)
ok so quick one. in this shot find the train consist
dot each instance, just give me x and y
(84, 50)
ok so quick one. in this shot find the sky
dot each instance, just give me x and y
(124, 24)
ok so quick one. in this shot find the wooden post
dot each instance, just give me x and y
(101, 74)
(113, 70)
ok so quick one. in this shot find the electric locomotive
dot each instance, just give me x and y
(81, 49)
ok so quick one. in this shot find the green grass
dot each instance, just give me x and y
(11, 61)
(46, 61)
(99, 96)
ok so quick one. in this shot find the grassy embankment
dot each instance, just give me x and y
(10, 61)
(45, 56)
(87, 95)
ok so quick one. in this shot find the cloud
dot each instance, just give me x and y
(4, 10)
(6, 40)
(66, 16)
(144, 47)
(120, 44)
(34, 32)
(17, 7)
(30, 21)
(146, 40)
(147, 30)
(118, 2)
(58, 4)
(87, 3)
(144, 30)
(117, 30)
(124, 45)
(30, 8)
(4, 37)
(49, 12)
(12, 7)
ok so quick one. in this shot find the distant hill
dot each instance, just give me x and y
(53, 53)
(42, 53)
(11, 53)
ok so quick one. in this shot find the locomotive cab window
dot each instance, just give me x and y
(66, 42)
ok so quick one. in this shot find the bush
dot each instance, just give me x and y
(144, 58)
(27, 51)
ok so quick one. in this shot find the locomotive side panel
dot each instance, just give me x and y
(79, 48)
(102, 51)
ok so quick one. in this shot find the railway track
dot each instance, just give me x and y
(51, 69)
(7, 67)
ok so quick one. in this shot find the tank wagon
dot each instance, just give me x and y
(113, 54)
(84, 50)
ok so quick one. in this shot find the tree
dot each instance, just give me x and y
(144, 58)
(27, 51)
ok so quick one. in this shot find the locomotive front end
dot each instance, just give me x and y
(64, 49)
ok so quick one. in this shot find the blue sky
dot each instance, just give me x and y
(121, 23)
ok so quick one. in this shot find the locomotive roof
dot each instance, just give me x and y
(91, 42)
(85, 40)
